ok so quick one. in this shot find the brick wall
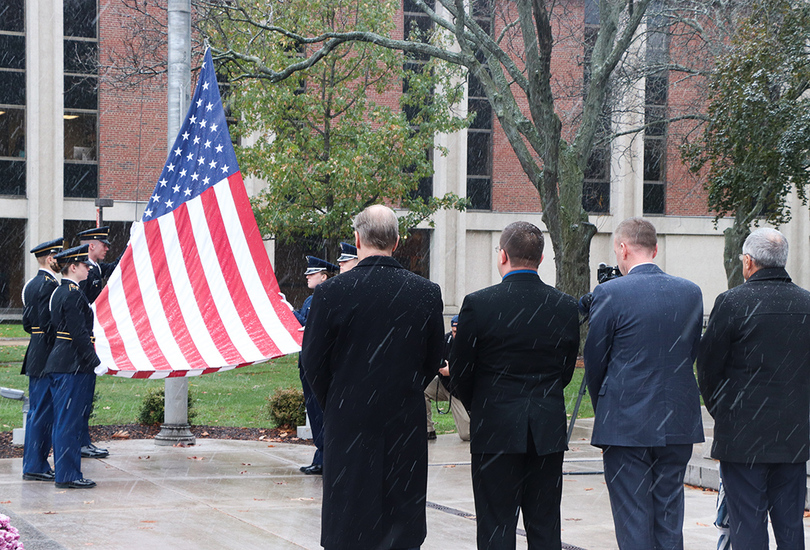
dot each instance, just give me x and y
(132, 120)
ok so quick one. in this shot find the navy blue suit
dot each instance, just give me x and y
(641, 346)
(37, 322)
(70, 368)
(314, 410)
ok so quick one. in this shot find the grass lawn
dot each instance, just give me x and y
(233, 398)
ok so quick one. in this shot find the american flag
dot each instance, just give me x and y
(194, 292)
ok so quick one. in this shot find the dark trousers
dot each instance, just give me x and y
(645, 485)
(38, 426)
(315, 418)
(505, 484)
(86, 425)
(72, 396)
(754, 491)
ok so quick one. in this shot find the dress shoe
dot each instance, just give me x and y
(98, 449)
(45, 476)
(431, 436)
(303, 469)
(77, 484)
(91, 451)
(314, 470)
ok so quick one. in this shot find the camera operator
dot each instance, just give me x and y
(439, 390)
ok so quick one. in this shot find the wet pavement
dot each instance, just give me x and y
(225, 494)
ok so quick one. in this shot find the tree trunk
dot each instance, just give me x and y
(572, 247)
(734, 238)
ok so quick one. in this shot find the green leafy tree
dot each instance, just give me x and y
(335, 139)
(755, 149)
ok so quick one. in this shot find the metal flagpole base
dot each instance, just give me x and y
(172, 434)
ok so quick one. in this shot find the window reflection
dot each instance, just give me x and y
(12, 15)
(12, 88)
(80, 137)
(80, 18)
(12, 132)
(13, 256)
(12, 51)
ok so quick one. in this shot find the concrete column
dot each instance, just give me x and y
(44, 132)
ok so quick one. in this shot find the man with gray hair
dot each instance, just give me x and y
(372, 343)
(754, 374)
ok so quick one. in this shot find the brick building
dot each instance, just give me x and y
(69, 136)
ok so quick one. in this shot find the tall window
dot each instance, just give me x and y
(417, 25)
(81, 98)
(479, 135)
(596, 184)
(12, 97)
(655, 113)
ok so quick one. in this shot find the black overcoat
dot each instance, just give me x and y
(373, 341)
(514, 352)
(754, 370)
(37, 321)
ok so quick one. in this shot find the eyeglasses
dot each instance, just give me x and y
(743, 256)
(497, 249)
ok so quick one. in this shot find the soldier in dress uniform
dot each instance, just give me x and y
(318, 271)
(348, 257)
(98, 244)
(36, 296)
(70, 367)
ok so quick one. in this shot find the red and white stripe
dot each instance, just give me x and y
(194, 293)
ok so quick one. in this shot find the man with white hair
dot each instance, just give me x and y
(372, 343)
(754, 373)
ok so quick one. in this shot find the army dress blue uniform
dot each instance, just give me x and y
(70, 368)
(37, 322)
(92, 287)
(314, 411)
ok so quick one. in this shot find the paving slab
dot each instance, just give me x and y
(221, 494)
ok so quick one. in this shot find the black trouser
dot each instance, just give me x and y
(505, 484)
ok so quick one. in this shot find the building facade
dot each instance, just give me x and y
(71, 134)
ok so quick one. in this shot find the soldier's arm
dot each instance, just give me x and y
(75, 322)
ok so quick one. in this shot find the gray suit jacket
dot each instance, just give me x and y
(639, 357)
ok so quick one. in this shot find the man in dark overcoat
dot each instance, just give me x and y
(69, 366)
(642, 343)
(754, 373)
(37, 322)
(372, 343)
(514, 352)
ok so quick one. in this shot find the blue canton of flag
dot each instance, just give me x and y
(202, 154)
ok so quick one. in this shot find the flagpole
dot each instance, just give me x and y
(175, 428)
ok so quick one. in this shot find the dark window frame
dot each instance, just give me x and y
(81, 81)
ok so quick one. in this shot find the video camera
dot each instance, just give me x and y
(604, 273)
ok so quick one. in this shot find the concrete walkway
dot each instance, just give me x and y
(244, 495)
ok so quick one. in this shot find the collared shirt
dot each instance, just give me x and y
(642, 263)
(520, 271)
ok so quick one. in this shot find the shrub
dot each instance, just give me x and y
(152, 408)
(286, 408)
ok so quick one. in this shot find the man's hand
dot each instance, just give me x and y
(445, 370)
